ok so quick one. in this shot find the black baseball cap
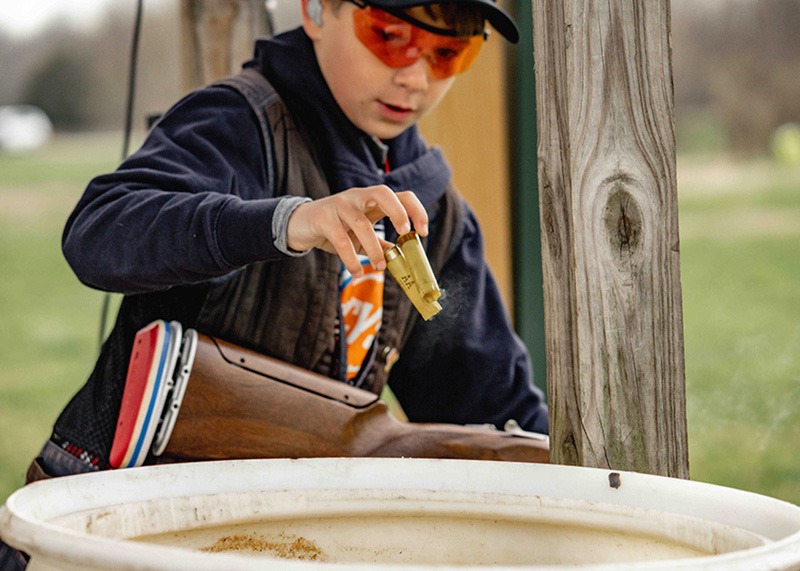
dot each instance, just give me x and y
(497, 17)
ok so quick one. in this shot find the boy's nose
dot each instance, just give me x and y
(414, 76)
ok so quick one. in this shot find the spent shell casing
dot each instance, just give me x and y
(401, 272)
(419, 265)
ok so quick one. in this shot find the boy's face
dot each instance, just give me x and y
(380, 100)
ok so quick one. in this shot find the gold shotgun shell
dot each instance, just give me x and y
(397, 266)
(420, 267)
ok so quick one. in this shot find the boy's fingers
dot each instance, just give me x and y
(416, 212)
(362, 233)
(344, 223)
(338, 237)
(382, 201)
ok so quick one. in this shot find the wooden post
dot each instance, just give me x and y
(610, 246)
(218, 37)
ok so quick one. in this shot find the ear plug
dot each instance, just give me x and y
(314, 9)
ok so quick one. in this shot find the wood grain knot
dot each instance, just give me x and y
(623, 219)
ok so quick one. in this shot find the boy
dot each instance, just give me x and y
(267, 228)
(266, 225)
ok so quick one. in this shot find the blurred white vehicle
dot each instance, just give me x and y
(23, 128)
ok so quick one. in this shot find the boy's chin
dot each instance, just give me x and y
(385, 133)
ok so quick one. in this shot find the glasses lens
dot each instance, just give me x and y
(398, 43)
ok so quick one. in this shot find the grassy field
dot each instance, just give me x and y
(740, 227)
(740, 238)
(49, 338)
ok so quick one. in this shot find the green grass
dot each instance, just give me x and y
(698, 131)
(48, 341)
(740, 229)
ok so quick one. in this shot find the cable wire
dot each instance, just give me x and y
(127, 131)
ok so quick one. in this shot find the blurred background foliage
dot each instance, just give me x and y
(78, 76)
(736, 66)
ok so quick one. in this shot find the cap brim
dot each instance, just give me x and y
(499, 19)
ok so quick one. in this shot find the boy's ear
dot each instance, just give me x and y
(312, 17)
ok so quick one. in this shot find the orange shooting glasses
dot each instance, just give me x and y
(399, 40)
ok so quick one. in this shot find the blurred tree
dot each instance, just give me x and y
(756, 86)
(18, 56)
(81, 75)
(740, 60)
(59, 87)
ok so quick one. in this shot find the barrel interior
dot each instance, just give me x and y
(414, 527)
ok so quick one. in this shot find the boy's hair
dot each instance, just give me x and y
(465, 19)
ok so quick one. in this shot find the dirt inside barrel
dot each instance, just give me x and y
(285, 546)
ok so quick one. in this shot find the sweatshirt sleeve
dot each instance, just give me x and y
(466, 365)
(192, 204)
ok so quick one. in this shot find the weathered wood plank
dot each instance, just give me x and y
(218, 36)
(610, 245)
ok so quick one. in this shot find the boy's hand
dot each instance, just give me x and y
(343, 223)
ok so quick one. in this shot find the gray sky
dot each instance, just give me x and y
(27, 17)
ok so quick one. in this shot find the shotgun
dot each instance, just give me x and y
(221, 401)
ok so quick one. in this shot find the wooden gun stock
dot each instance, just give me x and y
(240, 404)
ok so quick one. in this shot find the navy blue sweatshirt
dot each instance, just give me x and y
(194, 204)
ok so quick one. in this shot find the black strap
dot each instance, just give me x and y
(259, 94)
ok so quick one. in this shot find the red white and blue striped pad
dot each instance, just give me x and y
(175, 397)
(153, 359)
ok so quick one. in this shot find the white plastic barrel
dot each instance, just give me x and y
(394, 514)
